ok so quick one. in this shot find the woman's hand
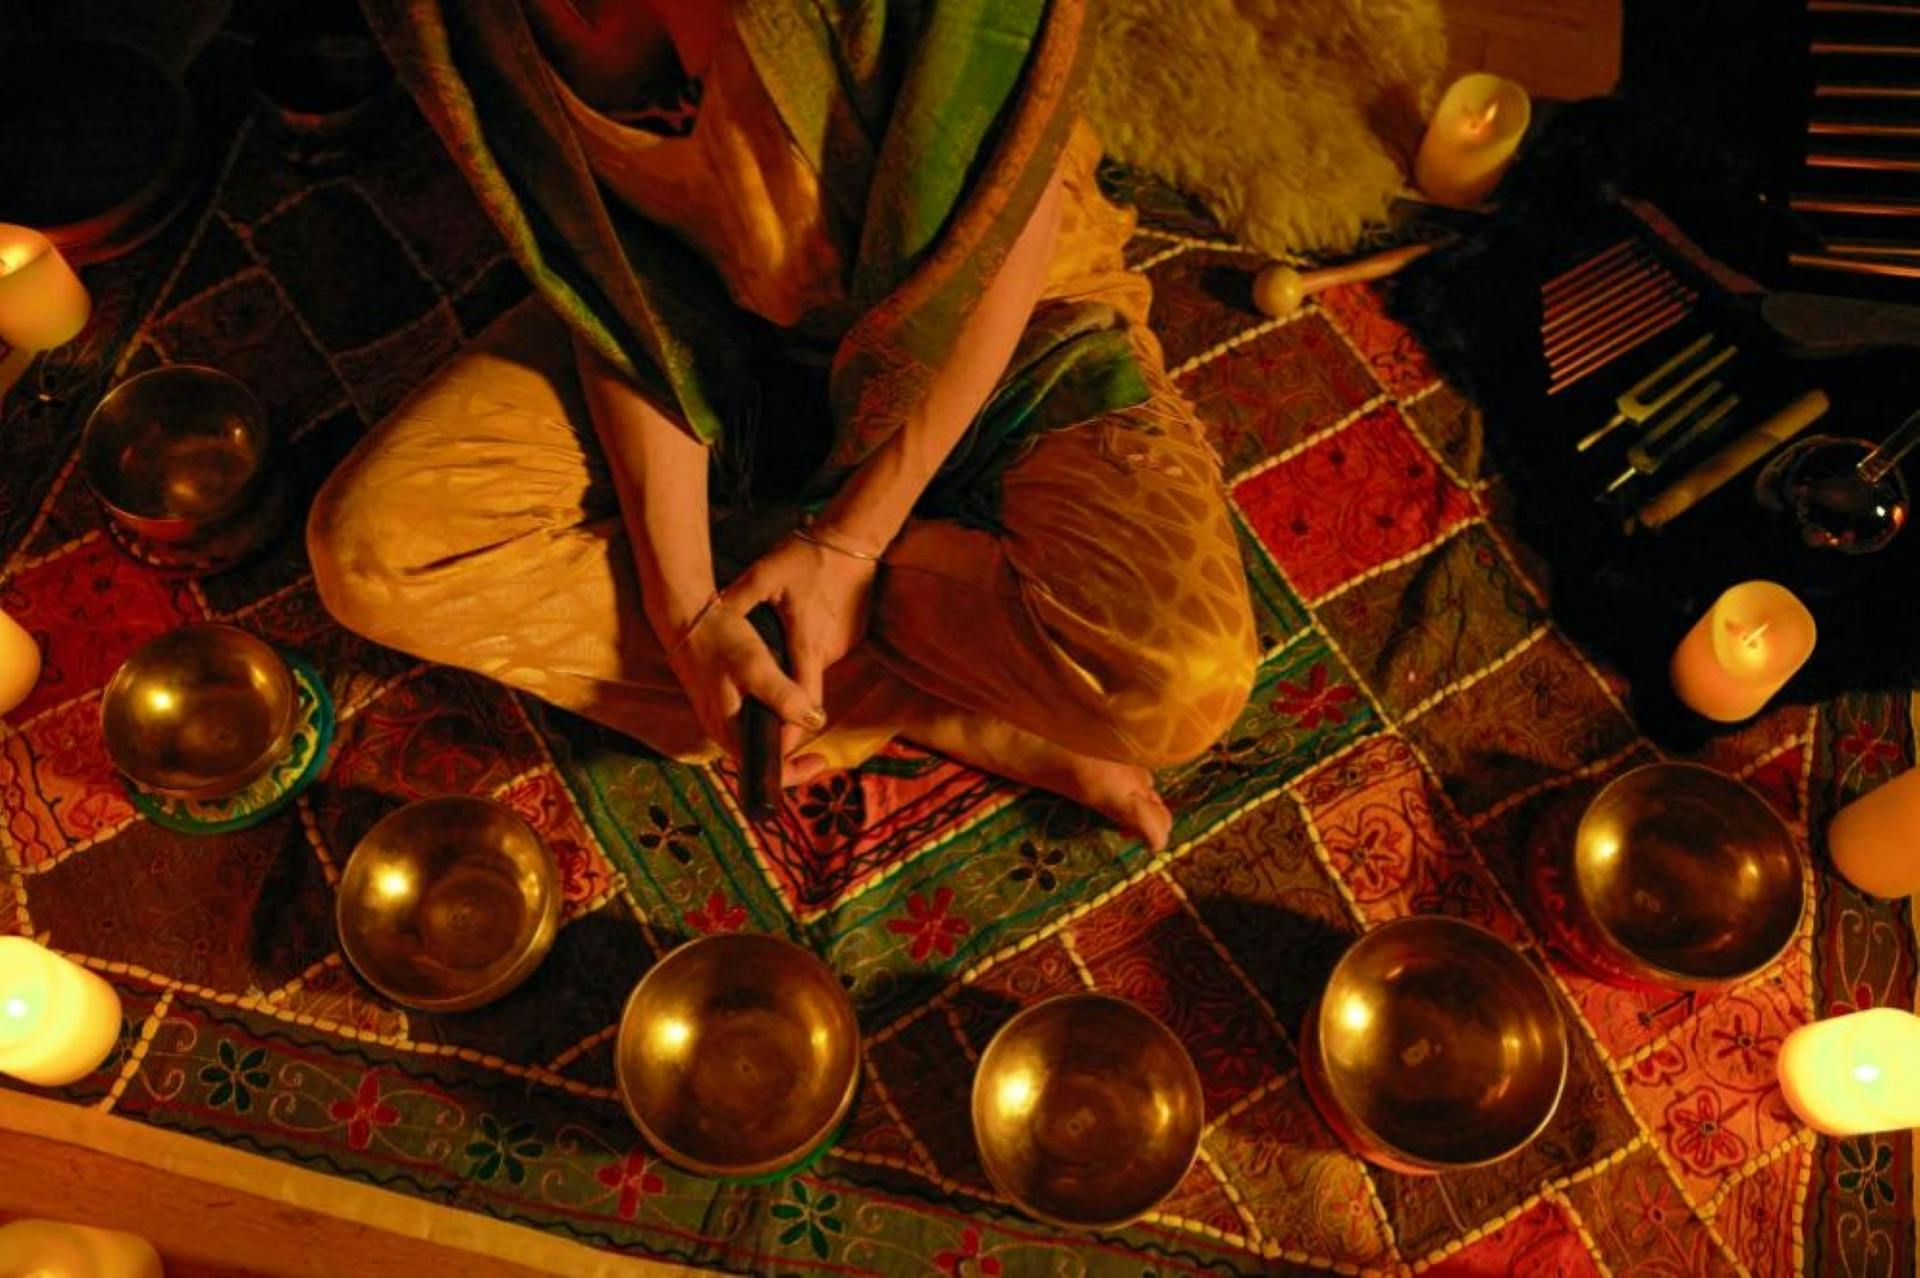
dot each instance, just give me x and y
(821, 595)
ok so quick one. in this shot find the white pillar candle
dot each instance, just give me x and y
(1738, 655)
(1471, 140)
(55, 1249)
(1875, 840)
(58, 1021)
(1854, 1074)
(43, 304)
(19, 663)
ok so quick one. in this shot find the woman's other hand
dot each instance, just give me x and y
(821, 593)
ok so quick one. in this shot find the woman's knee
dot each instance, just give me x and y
(1177, 702)
(353, 543)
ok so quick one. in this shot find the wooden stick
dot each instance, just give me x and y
(1888, 91)
(1861, 129)
(1855, 207)
(1884, 7)
(1618, 293)
(1572, 275)
(1873, 248)
(1863, 48)
(1712, 474)
(1853, 266)
(1567, 356)
(1564, 378)
(1862, 163)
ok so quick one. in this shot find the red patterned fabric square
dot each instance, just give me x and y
(88, 607)
(441, 732)
(1392, 843)
(1539, 716)
(57, 786)
(1642, 1224)
(1163, 962)
(926, 1070)
(1361, 497)
(1202, 297)
(1756, 1216)
(1394, 355)
(1202, 1199)
(1274, 390)
(1538, 1243)
(1042, 971)
(542, 798)
(1709, 1094)
(1304, 1191)
(835, 835)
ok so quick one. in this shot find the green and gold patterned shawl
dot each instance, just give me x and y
(935, 125)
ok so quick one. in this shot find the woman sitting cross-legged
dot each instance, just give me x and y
(830, 314)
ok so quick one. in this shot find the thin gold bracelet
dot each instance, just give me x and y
(713, 601)
(804, 533)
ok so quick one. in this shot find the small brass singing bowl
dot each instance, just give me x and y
(176, 452)
(738, 1055)
(448, 903)
(199, 712)
(1087, 1111)
(1436, 1046)
(1683, 877)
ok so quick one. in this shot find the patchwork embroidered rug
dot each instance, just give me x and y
(1418, 729)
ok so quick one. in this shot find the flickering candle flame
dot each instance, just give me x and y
(58, 1021)
(1742, 651)
(1471, 140)
(1854, 1074)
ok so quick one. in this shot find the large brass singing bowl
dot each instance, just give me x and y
(175, 451)
(199, 712)
(1087, 1111)
(738, 1055)
(1436, 1046)
(448, 903)
(1684, 877)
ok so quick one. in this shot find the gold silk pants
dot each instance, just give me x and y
(478, 527)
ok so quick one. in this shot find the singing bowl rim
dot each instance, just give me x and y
(1596, 930)
(96, 470)
(540, 938)
(819, 1136)
(240, 778)
(1372, 1141)
(1051, 1006)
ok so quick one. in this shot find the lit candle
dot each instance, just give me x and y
(55, 1249)
(1471, 139)
(58, 1021)
(1856, 1073)
(19, 663)
(1737, 656)
(1875, 840)
(43, 304)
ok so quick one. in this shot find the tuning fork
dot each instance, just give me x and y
(1700, 414)
(1598, 310)
(1640, 401)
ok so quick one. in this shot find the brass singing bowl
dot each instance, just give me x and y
(738, 1055)
(448, 903)
(1087, 1111)
(175, 452)
(1682, 876)
(1436, 1046)
(199, 712)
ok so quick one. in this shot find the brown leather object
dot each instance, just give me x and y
(94, 145)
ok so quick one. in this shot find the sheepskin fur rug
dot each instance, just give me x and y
(1294, 121)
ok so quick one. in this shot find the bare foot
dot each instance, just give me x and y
(1121, 792)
